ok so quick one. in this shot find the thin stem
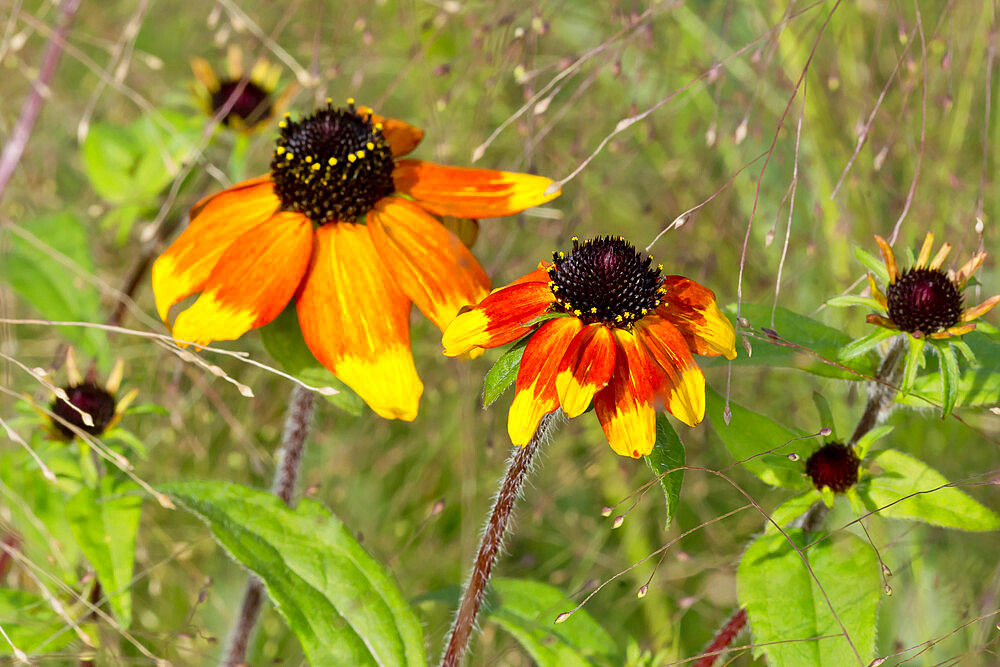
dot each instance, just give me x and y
(724, 638)
(298, 420)
(19, 136)
(882, 392)
(518, 466)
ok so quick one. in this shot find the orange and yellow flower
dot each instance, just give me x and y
(622, 337)
(298, 232)
(252, 103)
(924, 300)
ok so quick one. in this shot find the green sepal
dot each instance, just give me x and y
(504, 372)
(914, 360)
(865, 442)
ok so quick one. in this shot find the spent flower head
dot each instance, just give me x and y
(91, 407)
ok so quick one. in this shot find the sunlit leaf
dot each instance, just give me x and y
(668, 455)
(503, 373)
(342, 604)
(790, 614)
(791, 509)
(31, 624)
(977, 384)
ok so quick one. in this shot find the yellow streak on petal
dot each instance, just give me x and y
(687, 400)
(980, 310)
(465, 332)
(970, 267)
(940, 257)
(208, 320)
(957, 330)
(391, 391)
(888, 257)
(876, 292)
(717, 331)
(525, 414)
(925, 250)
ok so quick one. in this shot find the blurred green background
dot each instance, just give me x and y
(557, 77)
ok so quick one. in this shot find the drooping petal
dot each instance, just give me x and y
(980, 310)
(470, 193)
(252, 282)
(877, 293)
(585, 368)
(402, 136)
(692, 309)
(624, 408)
(881, 321)
(431, 265)
(888, 257)
(970, 267)
(216, 222)
(957, 330)
(499, 319)
(356, 321)
(535, 390)
(683, 385)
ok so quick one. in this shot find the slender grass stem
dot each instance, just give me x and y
(518, 466)
(298, 420)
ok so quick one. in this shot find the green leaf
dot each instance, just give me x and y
(749, 435)
(31, 624)
(873, 264)
(902, 487)
(105, 524)
(825, 415)
(789, 613)
(791, 509)
(283, 340)
(854, 300)
(865, 344)
(668, 454)
(978, 385)
(806, 332)
(868, 439)
(949, 377)
(344, 607)
(914, 359)
(50, 278)
(504, 372)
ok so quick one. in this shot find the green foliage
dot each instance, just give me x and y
(978, 384)
(49, 270)
(343, 605)
(760, 444)
(504, 372)
(901, 487)
(283, 340)
(30, 624)
(105, 523)
(791, 509)
(668, 455)
(790, 613)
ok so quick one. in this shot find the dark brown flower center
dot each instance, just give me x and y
(89, 398)
(834, 466)
(332, 166)
(924, 300)
(250, 105)
(605, 280)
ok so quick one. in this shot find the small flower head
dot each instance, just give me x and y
(925, 300)
(250, 98)
(86, 397)
(833, 466)
(616, 333)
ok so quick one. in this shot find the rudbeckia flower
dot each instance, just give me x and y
(833, 466)
(255, 105)
(100, 403)
(616, 333)
(298, 232)
(924, 300)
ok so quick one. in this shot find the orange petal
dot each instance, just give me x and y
(432, 266)
(624, 408)
(402, 136)
(888, 257)
(470, 193)
(356, 321)
(535, 390)
(252, 282)
(500, 318)
(980, 310)
(216, 222)
(585, 368)
(957, 330)
(877, 293)
(692, 309)
(539, 275)
(970, 267)
(881, 321)
(682, 387)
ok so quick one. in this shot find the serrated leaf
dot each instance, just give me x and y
(791, 509)
(789, 614)
(978, 385)
(283, 340)
(503, 373)
(749, 435)
(804, 331)
(949, 378)
(342, 604)
(902, 487)
(668, 455)
(105, 524)
(30, 624)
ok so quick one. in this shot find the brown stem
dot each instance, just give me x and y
(724, 637)
(19, 136)
(882, 391)
(518, 466)
(298, 419)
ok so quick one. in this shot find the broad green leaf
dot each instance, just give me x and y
(865, 344)
(803, 331)
(31, 624)
(902, 487)
(283, 340)
(50, 278)
(914, 360)
(504, 372)
(976, 385)
(109, 152)
(105, 524)
(668, 454)
(791, 618)
(751, 438)
(791, 509)
(342, 604)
